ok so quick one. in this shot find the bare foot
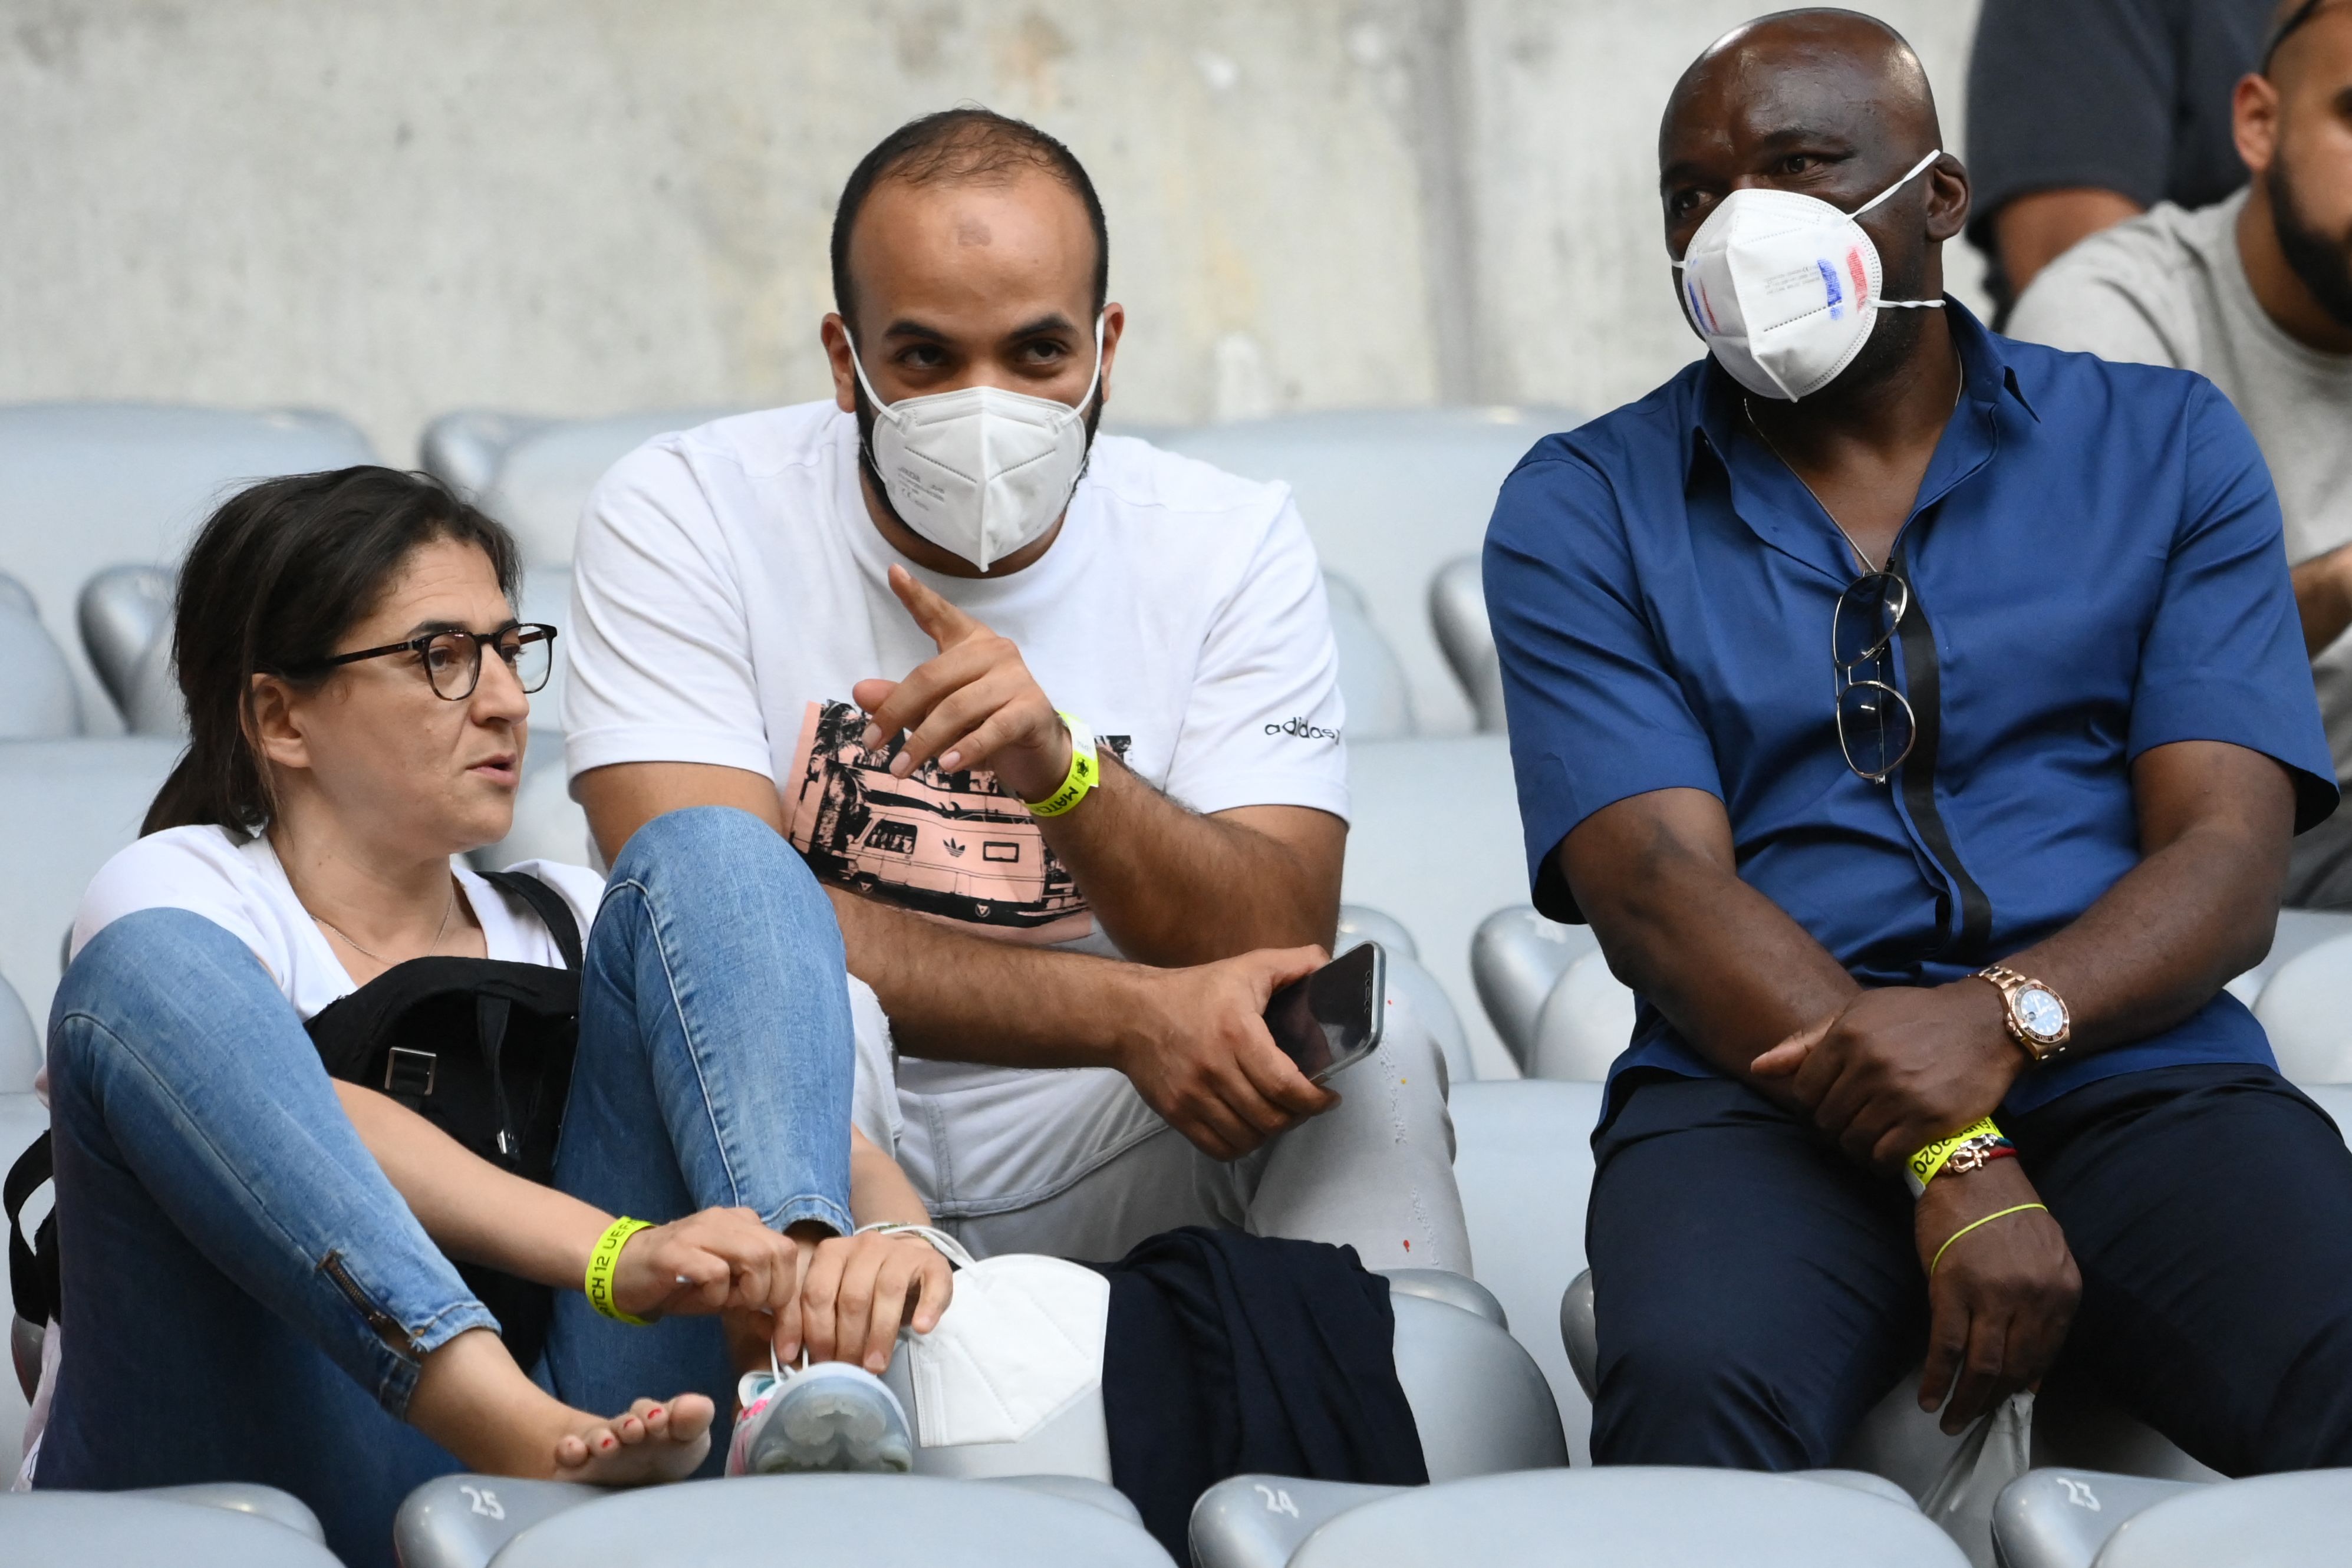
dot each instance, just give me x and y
(653, 1442)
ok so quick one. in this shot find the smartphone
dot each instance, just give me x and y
(1333, 1018)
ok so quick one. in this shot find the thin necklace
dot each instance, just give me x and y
(1747, 406)
(446, 914)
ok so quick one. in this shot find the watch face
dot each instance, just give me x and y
(2042, 1014)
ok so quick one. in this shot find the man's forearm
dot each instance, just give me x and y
(2159, 945)
(1008, 1005)
(1170, 886)
(2323, 598)
(1728, 967)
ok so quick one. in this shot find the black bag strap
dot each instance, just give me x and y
(548, 905)
(32, 1277)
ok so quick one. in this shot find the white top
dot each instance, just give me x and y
(242, 889)
(730, 590)
(2169, 287)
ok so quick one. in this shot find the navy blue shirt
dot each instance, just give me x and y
(2097, 568)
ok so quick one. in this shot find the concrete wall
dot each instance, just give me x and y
(395, 207)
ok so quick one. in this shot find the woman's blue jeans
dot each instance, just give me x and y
(246, 1296)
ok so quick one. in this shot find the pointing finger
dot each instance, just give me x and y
(941, 622)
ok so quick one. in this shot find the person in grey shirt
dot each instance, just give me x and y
(2256, 292)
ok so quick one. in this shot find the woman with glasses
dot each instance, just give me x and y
(272, 1274)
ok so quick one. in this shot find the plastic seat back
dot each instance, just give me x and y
(84, 486)
(121, 613)
(127, 1529)
(1257, 1522)
(20, 1050)
(2298, 931)
(1454, 1290)
(2060, 1518)
(835, 1521)
(38, 699)
(1390, 496)
(1517, 957)
(77, 803)
(1433, 839)
(2298, 1520)
(1631, 1517)
(1380, 702)
(2306, 1010)
(1524, 1162)
(1479, 1399)
(1457, 615)
(1584, 1025)
(542, 477)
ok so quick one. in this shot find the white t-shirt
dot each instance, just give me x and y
(730, 589)
(242, 889)
(2169, 287)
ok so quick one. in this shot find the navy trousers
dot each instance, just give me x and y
(1757, 1293)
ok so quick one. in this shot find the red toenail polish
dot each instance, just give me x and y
(654, 1412)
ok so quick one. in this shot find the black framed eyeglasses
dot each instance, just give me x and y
(1874, 723)
(453, 660)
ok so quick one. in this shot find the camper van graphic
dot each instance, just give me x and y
(950, 845)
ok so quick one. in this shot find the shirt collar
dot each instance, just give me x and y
(1986, 377)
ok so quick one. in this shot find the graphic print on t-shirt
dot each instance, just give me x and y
(956, 846)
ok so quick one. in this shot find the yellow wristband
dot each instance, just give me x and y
(603, 1260)
(1084, 771)
(1921, 1168)
(1997, 1213)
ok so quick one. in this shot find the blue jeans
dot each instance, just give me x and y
(246, 1296)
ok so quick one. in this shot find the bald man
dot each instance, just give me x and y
(1055, 717)
(1920, 719)
(2256, 292)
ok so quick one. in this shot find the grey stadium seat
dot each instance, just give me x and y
(2051, 1518)
(2297, 1521)
(1433, 841)
(827, 1521)
(125, 616)
(38, 700)
(1584, 1025)
(2306, 1010)
(1259, 1521)
(21, 1048)
(1457, 614)
(1517, 957)
(1631, 1517)
(84, 486)
(178, 1526)
(534, 475)
(1523, 1158)
(1380, 702)
(74, 802)
(1389, 496)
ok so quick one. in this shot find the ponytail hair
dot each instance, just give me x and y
(272, 582)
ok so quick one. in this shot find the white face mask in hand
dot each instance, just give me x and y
(980, 471)
(1784, 287)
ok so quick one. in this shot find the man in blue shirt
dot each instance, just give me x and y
(1921, 720)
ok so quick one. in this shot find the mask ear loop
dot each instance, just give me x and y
(1916, 169)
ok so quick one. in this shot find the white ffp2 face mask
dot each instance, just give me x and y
(980, 471)
(1784, 287)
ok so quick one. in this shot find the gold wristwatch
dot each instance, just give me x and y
(2038, 1021)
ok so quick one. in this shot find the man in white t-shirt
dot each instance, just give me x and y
(2255, 293)
(867, 620)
